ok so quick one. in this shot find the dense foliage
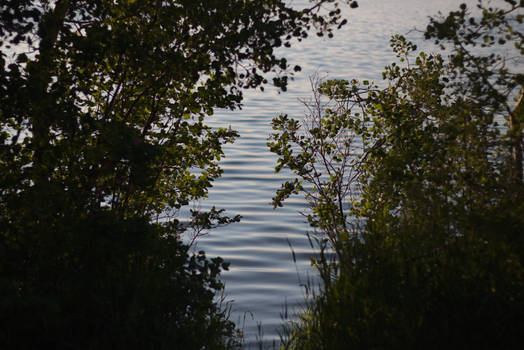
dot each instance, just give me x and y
(417, 194)
(103, 141)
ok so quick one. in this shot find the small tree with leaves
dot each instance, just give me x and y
(429, 250)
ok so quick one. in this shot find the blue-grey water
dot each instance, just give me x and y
(263, 276)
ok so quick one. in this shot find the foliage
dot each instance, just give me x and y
(101, 282)
(416, 189)
(103, 142)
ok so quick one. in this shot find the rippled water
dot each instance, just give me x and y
(263, 276)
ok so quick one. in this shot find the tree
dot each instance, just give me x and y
(103, 140)
(428, 251)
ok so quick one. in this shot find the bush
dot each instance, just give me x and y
(416, 189)
(99, 282)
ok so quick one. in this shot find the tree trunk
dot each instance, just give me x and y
(515, 128)
(41, 108)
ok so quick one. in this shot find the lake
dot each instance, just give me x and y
(263, 276)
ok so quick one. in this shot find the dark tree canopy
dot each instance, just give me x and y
(148, 71)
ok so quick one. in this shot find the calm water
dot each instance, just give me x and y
(263, 276)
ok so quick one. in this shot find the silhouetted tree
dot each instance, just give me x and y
(103, 141)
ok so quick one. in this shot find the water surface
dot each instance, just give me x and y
(263, 276)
